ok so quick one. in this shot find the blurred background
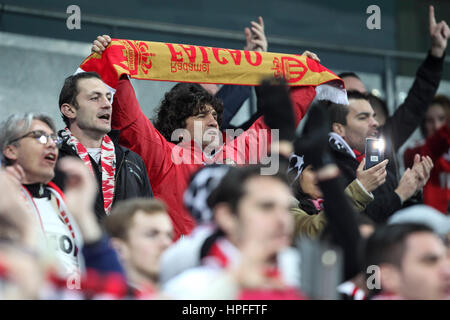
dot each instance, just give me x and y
(38, 51)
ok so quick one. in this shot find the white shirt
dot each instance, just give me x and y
(59, 238)
(95, 153)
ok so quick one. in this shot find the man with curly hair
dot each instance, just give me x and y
(186, 136)
(184, 106)
(188, 116)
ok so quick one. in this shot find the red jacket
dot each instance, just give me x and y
(436, 192)
(169, 180)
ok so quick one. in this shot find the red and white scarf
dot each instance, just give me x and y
(351, 290)
(107, 163)
(62, 210)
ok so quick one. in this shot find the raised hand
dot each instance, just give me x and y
(311, 55)
(99, 45)
(408, 185)
(13, 207)
(439, 33)
(422, 166)
(17, 173)
(255, 37)
(81, 191)
(276, 107)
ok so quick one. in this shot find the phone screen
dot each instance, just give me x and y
(374, 152)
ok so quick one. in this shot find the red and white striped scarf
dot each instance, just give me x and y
(107, 163)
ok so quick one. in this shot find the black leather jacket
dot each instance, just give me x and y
(131, 174)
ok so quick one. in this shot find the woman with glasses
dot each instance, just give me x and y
(30, 151)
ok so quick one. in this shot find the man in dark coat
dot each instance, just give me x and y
(85, 104)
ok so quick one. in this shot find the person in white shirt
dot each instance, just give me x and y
(29, 151)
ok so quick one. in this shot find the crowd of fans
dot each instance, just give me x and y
(100, 209)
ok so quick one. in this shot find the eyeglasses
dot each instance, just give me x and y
(41, 137)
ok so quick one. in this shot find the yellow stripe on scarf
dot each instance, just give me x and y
(187, 63)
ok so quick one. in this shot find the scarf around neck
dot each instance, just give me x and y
(107, 164)
(340, 144)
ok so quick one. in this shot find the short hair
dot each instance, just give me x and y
(17, 125)
(70, 90)
(356, 95)
(388, 244)
(348, 74)
(118, 223)
(181, 102)
(338, 114)
(441, 100)
(232, 187)
(378, 102)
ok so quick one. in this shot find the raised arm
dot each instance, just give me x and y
(138, 133)
(136, 130)
(234, 96)
(409, 114)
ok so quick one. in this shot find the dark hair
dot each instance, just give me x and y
(388, 244)
(378, 102)
(69, 91)
(310, 126)
(338, 114)
(181, 102)
(304, 199)
(231, 188)
(441, 100)
(348, 74)
(356, 95)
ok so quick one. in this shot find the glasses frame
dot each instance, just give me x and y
(38, 134)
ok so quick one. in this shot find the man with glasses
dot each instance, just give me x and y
(85, 105)
(29, 152)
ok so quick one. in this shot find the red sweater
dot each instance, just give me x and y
(437, 190)
(169, 180)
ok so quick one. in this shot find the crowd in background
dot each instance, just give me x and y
(100, 210)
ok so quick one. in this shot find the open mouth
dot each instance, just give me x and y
(105, 117)
(373, 133)
(51, 157)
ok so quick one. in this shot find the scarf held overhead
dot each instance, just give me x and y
(188, 63)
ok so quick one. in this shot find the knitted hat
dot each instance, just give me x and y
(202, 183)
(423, 214)
(296, 165)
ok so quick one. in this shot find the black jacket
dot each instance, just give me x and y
(385, 202)
(397, 129)
(131, 174)
(408, 116)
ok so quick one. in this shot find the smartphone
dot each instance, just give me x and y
(374, 152)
